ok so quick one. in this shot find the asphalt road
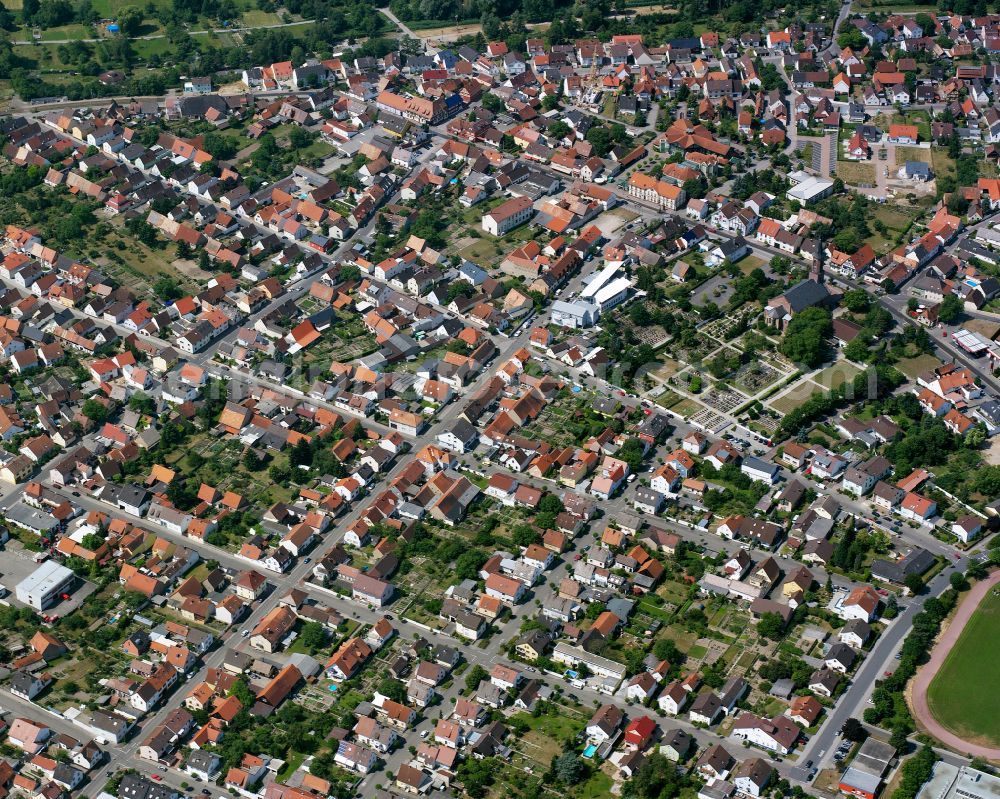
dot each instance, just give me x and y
(881, 659)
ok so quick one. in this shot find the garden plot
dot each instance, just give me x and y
(315, 699)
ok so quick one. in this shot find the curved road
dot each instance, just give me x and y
(921, 710)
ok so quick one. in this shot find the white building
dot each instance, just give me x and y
(45, 585)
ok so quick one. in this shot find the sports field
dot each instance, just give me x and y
(963, 696)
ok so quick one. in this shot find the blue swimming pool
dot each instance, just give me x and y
(590, 750)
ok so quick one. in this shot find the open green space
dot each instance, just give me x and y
(791, 400)
(856, 173)
(836, 374)
(961, 696)
(911, 367)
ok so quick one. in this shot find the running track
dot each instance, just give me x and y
(926, 674)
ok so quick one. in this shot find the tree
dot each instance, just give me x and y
(657, 777)
(914, 582)
(242, 692)
(665, 649)
(525, 535)
(771, 625)
(806, 336)
(251, 462)
(299, 138)
(854, 730)
(130, 21)
(898, 738)
(95, 411)
(313, 635)
(958, 581)
(951, 309)
(301, 454)
(493, 103)
(550, 503)
(857, 350)
(558, 130)
(393, 689)
(568, 768)
(167, 288)
(600, 137)
(142, 403)
(856, 300)
(29, 9)
(475, 676)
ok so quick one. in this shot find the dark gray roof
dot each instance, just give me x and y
(916, 562)
(805, 295)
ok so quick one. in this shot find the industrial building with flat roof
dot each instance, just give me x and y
(952, 782)
(43, 586)
(808, 188)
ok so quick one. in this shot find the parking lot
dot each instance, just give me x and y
(18, 563)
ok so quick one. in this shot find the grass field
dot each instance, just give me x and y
(856, 173)
(911, 367)
(791, 400)
(751, 262)
(961, 696)
(896, 221)
(834, 375)
(687, 407)
(942, 164)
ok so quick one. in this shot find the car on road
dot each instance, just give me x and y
(887, 674)
(307, 560)
(424, 733)
(956, 556)
(156, 777)
(244, 633)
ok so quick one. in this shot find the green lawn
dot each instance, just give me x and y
(63, 32)
(834, 375)
(911, 367)
(597, 787)
(791, 400)
(962, 695)
(856, 173)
